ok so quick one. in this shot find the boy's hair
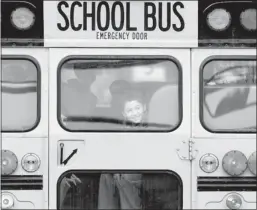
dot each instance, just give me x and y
(132, 97)
(123, 92)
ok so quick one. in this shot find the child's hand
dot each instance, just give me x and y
(72, 180)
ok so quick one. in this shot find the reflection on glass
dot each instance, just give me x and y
(19, 95)
(119, 95)
(229, 95)
(82, 190)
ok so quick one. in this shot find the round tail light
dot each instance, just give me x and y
(219, 19)
(9, 162)
(23, 18)
(252, 163)
(248, 19)
(30, 162)
(209, 163)
(234, 163)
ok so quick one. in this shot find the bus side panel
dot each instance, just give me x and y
(29, 190)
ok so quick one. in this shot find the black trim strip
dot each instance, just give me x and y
(226, 184)
(17, 182)
(20, 90)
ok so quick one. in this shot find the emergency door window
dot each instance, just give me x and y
(119, 95)
(19, 87)
(119, 190)
(229, 95)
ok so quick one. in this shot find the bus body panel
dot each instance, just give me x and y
(28, 199)
(34, 141)
(40, 56)
(208, 201)
(210, 43)
(116, 150)
(219, 143)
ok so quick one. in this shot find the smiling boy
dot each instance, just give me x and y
(134, 111)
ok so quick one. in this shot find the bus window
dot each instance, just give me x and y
(229, 95)
(20, 98)
(109, 190)
(119, 95)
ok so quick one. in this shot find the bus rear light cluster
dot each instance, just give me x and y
(234, 163)
(220, 19)
(22, 18)
(9, 162)
(22, 23)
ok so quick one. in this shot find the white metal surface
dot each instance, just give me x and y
(145, 151)
(209, 201)
(28, 199)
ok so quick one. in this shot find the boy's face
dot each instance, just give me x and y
(133, 111)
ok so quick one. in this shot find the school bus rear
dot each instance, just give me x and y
(70, 67)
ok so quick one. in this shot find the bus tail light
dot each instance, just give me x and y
(234, 163)
(23, 18)
(252, 163)
(9, 162)
(30, 162)
(227, 23)
(234, 201)
(219, 19)
(248, 19)
(22, 23)
(209, 163)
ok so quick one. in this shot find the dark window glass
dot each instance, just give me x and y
(119, 95)
(229, 95)
(126, 190)
(19, 87)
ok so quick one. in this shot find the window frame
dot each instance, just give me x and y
(121, 57)
(201, 88)
(168, 172)
(38, 70)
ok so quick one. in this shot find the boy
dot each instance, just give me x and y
(134, 111)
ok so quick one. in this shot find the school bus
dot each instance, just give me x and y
(128, 104)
